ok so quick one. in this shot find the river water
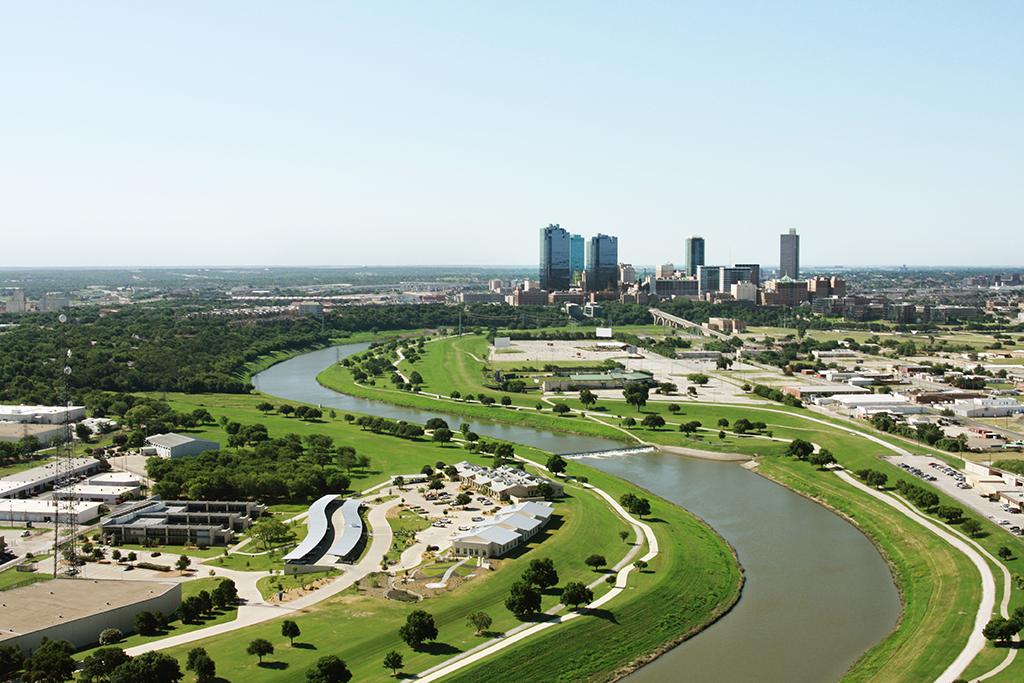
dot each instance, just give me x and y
(817, 593)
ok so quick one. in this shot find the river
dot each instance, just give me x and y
(817, 592)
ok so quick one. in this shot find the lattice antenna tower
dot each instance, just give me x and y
(65, 526)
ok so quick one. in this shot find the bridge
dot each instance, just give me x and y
(663, 318)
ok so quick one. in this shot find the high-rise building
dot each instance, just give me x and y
(694, 254)
(577, 258)
(707, 278)
(555, 270)
(665, 271)
(727, 277)
(789, 255)
(602, 263)
(627, 274)
(755, 272)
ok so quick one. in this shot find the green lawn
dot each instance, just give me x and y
(269, 585)
(12, 578)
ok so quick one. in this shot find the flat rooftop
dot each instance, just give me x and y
(46, 604)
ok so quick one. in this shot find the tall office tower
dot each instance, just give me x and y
(577, 258)
(627, 274)
(727, 277)
(554, 258)
(789, 255)
(707, 279)
(755, 272)
(602, 263)
(694, 254)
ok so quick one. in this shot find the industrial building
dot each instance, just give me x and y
(40, 479)
(53, 415)
(77, 610)
(173, 445)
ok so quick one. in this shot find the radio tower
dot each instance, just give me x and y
(65, 525)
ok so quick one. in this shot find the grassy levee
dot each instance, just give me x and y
(340, 379)
(696, 572)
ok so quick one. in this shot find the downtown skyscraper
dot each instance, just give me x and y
(602, 263)
(789, 255)
(555, 264)
(694, 254)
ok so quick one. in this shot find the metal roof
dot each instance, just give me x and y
(346, 541)
(318, 526)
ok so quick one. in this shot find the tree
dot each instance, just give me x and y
(225, 594)
(640, 565)
(523, 599)
(742, 426)
(270, 529)
(949, 513)
(419, 626)
(587, 398)
(653, 421)
(83, 432)
(415, 378)
(560, 409)
(200, 663)
(674, 408)
(442, 436)
(146, 623)
(635, 505)
(481, 621)
(821, 458)
(463, 499)
(261, 647)
(629, 422)
(575, 594)
(971, 527)
(132, 556)
(690, 427)
(399, 481)
(698, 378)
(1004, 553)
(1001, 630)
(290, 630)
(151, 667)
(286, 409)
(800, 448)
(51, 662)
(183, 563)
(541, 573)
(556, 464)
(623, 535)
(393, 661)
(11, 661)
(328, 669)
(98, 666)
(264, 407)
(595, 562)
(110, 636)
(636, 394)
(877, 479)
(544, 490)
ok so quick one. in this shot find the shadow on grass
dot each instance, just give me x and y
(443, 649)
(599, 613)
(491, 634)
(273, 665)
(304, 646)
(653, 520)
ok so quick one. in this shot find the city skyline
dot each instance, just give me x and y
(217, 135)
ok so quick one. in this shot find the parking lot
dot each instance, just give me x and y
(447, 521)
(955, 486)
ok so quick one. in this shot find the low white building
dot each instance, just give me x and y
(505, 482)
(987, 407)
(43, 511)
(173, 445)
(40, 414)
(39, 479)
(509, 529)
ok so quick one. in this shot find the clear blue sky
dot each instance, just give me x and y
(408, 133)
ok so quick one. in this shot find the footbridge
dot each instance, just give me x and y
(663, 318)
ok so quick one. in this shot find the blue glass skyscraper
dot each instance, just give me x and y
(555, 271)
(602, 263)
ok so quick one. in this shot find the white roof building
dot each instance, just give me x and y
(509, 529)
(180, 446)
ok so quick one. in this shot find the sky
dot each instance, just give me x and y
(450, 133)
